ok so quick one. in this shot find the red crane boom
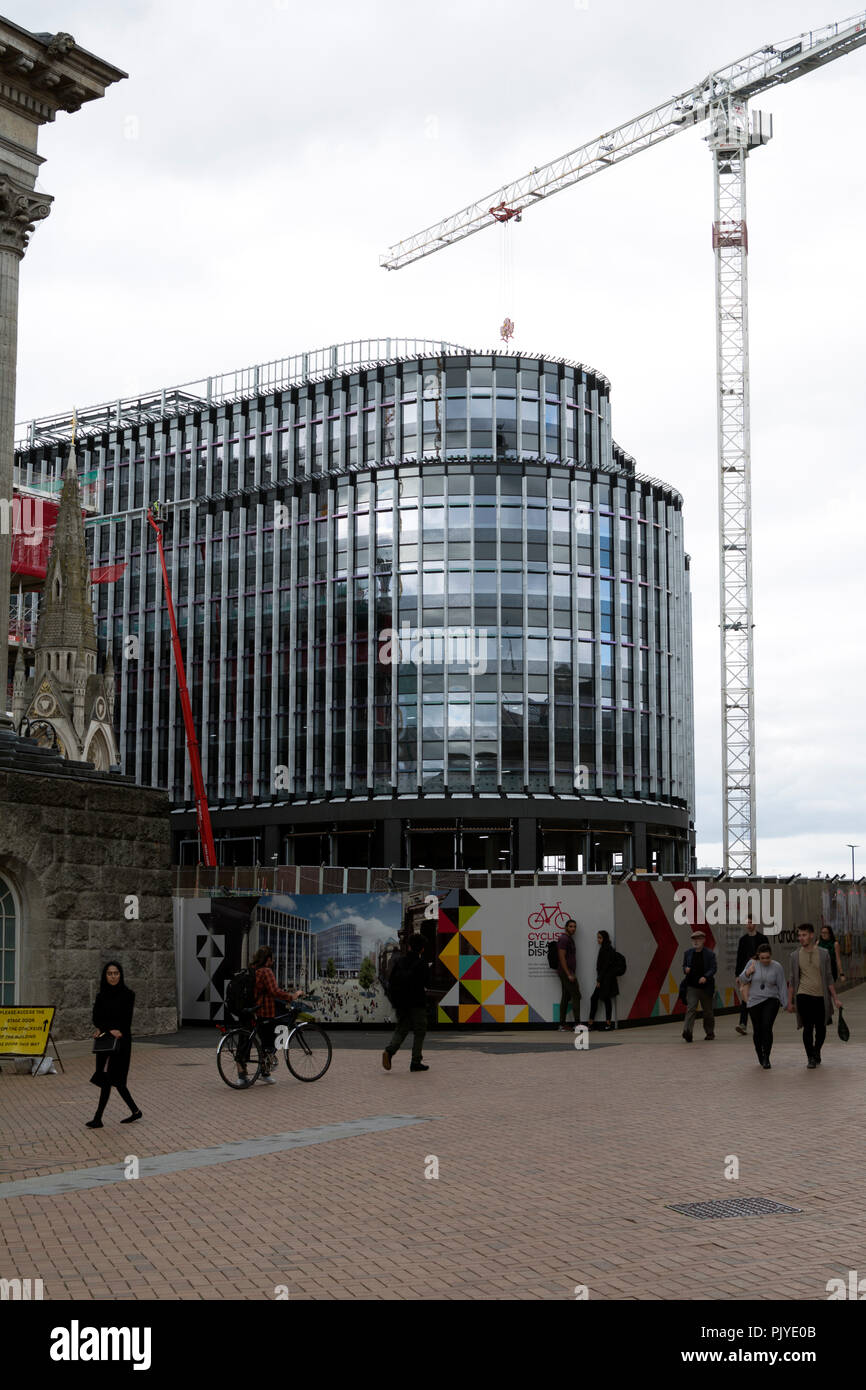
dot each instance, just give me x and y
(202, 810)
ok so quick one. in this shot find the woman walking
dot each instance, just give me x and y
(767, 994)
(606, 987)
(112, 1016)
(827, 939)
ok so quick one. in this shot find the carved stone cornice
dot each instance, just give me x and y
(41, 74)
(19, 213)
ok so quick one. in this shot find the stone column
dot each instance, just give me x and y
(40, 74)
(20, 210)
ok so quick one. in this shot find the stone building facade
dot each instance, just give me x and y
(85, 875)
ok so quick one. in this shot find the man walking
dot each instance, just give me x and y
(747, 948)
(699, 965)
(407, 992)
(567, 972)
(810, 984)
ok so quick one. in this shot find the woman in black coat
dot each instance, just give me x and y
(112, 1013)
(606, 988)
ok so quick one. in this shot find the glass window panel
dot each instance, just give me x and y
(433, 523)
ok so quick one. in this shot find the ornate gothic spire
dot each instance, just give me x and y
(66, 614)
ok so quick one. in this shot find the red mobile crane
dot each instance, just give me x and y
(202, 810)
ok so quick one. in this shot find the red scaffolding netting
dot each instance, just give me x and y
(33, 524)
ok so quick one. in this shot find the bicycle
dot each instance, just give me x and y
(242, 1059)
(551, 915)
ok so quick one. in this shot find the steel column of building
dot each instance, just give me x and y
(730, 140)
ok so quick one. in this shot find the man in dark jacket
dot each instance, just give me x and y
(567, 972)
(407, 991)
(747, 949)
(699, 964)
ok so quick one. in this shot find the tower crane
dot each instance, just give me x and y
(722, 100)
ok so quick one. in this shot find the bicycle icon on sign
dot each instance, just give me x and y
(549, 915)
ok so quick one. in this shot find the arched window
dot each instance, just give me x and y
(8, 944)
(97, 752)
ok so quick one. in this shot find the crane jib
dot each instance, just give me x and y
(769, 66)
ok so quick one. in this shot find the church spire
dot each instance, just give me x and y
(65, 625)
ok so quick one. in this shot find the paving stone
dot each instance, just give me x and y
(555, 1170)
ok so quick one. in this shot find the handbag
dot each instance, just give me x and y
(105, 1043)
(842, 1027)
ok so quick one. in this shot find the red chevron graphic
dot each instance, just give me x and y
(680, 884)
(666, 949)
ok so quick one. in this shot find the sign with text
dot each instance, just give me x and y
(24, 1029)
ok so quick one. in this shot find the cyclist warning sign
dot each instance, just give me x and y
(24, 1030)
(494, 945)
(546, 923)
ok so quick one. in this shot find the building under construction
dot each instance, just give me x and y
(430, 613)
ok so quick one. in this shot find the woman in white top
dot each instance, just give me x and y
(768, 994)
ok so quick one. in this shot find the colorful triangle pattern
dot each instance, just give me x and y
(458, 908)
(480, 993)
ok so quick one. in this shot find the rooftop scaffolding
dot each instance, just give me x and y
(229, 386)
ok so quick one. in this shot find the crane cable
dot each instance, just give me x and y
(506, 281)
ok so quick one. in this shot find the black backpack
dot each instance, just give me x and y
(395, 988)
(619, 965)
(241, 992)
(553, 954)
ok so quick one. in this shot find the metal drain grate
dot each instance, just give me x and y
(731, 1206)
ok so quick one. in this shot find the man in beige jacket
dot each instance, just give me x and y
(810, 984)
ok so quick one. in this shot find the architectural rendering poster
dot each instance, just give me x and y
(336, 947)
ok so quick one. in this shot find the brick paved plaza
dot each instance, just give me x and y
(555, 1168)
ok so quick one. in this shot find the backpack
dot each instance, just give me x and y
(241, 992)
(553, 954)
(395, 987)
(619, 965)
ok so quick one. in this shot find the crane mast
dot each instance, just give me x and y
(732, 135)
(722, 99)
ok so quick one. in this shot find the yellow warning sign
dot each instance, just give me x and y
(24, 1030)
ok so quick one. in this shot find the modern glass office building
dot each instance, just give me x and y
(431, 614)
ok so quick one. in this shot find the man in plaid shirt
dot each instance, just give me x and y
(267, 992)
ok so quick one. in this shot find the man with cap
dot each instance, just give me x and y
(699, 965)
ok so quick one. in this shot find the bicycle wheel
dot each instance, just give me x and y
(239, 1053)
(308, 1052)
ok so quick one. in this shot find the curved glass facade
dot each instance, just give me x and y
(435, 576)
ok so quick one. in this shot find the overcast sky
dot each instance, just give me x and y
(229, 202)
